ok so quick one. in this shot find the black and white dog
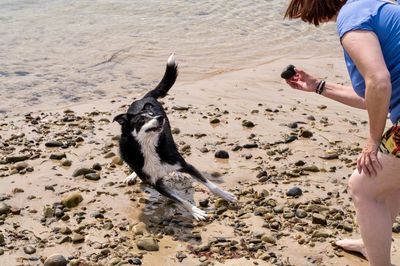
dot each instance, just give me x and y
(147, 146)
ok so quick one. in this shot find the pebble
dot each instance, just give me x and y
(135, 261)
(204, 203)
(48, 211)
(65, 162)
(92, 176)
(1, 251)
(57, 156)
(21, 166)
(318, 219)
(117, 160)
(290, 139)
(247, 123)
(2, 240)
(65, 230)
(72, 200)
(332, 156)
(148, 244)
(29, 250)
(56, 260)
(268, 238)
(311, 168)
(221, 203)
(78, 238)
(97, 166)
(395, 228)
(221, 154)
(17, 158)
(53, 144)
(82, 171)
(305, 133)
(294, 192)
(140, 229)
(4, 208)
(300, 213)
(214, 121)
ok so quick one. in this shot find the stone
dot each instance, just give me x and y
(72, 200)
(300, 213)
(48, 211)
(311, 168)
(204, 203)
(214, 121)
(304, 133)
(29, 250)
(319, 219)
(65, 162)
(348, 227)
(2, 240)
(221, 154)
(395, 228)
(93, 176)
(4, 208)
(140, 229)
(53, 144)
(290, 139)
(135, 261)
(56, 260)
(58, 156)
(78, 238)
(109, 155)
(1, 251)
(268, 238)
(117, 160)
(299, 163)
(294, 192)
(21, 166)
(17, 158)
(65, 230)
(321, 233)
(331, 156)
(82, 171)
(221, 203)
(148, 244)
(97, 166)
(248, 124)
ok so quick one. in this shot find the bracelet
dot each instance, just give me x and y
(320, 87)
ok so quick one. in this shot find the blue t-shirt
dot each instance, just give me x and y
(383, 18)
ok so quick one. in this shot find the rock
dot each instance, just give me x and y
(292, 125)
(55, 260)
(4, 208)
(250, 145)
(21, 166)
(321, 233)
(17, 158)
(117, 160)
(319, 219)
(72, 200)
(29, 250)
(97, 166)
(348, 227)
(268, 238)
(311, 118)
(148, 244)
(305, 133)
(135, 261)
(93, 176)
(2, 240)
(82, 171)
(247, 123)
(140, 229)
(58, 156)
(331, 156)
(300, 213)
(48, 211)
(204, 203)
(299, 163)
(175, 131)
(181, 256)
(214, 121)
(109, 155)
(221, 203)
(78, 238)
(221, 154)
(311, 168)
(53, 143)
(294, 192)
(65, 162)
(1, 251)
(65, 230)
(395, 229)
(290, 139)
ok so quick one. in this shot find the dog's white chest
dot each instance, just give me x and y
(152, 163)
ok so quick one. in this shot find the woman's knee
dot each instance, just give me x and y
(358, 187)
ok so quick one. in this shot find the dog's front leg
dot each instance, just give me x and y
(166, 191)
(191, 170)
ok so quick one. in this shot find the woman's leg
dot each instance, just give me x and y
(371, 198)
(357, 245)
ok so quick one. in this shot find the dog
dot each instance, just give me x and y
(147, 146)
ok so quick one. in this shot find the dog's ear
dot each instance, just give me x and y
(121, 119)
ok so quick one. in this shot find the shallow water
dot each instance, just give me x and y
(60, 52)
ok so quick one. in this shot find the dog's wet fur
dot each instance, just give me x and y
(147, 145)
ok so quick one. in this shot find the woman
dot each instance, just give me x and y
(369, 32)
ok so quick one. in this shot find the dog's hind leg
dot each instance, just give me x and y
(166, 191)
(131, 179)
(191, 170)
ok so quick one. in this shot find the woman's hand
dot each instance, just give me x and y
(368, 161)
(303, 81)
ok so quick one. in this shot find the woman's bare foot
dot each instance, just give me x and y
(356, 245)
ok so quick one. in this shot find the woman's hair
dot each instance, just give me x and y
(314, 11)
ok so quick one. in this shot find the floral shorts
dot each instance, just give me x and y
(391, 141)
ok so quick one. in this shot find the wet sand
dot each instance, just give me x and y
(292, 131)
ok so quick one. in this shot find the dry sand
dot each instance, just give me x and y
(263, 235)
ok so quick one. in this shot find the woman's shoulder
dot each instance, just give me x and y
(357, 14)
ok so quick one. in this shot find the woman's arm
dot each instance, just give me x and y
(364, 49)
(344, 94)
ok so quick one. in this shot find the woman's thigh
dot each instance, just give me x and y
(381, 186)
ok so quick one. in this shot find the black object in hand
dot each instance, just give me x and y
(288, 72)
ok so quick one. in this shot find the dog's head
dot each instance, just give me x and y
(145, 118)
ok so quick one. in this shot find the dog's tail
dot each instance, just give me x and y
(170, 75)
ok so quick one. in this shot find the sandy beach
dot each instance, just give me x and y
(298, 140)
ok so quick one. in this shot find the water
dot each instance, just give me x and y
(54, 52)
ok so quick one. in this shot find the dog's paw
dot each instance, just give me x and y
(227, 195)
(198, 214)
(131, 179)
